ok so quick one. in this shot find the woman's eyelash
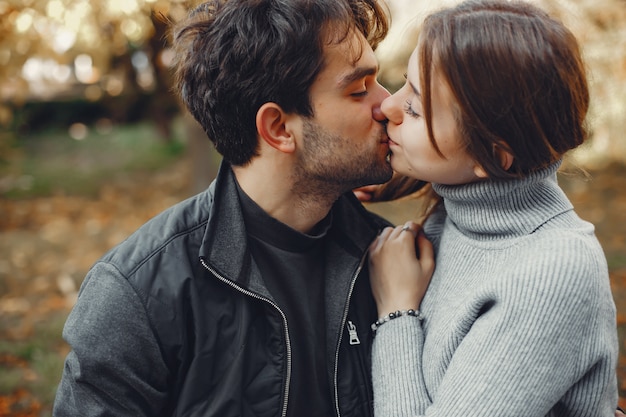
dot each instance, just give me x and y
(409, 110)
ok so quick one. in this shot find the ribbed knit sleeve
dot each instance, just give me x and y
(397, 374)
(519, 320)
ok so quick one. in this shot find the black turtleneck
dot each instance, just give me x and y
(292, 265)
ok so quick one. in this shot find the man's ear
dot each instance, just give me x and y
(273, 127)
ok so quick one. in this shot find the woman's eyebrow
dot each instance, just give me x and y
(415, 90)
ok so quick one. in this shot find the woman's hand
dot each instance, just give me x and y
(366, 192)
(399, 278)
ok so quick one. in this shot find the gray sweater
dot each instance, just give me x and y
(519, 319)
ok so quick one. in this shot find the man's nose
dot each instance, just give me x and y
(377, 112)
(390, 110)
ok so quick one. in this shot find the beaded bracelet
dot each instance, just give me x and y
(396, 314)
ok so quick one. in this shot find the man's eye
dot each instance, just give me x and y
(359, 94)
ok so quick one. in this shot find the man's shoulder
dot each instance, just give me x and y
(173, 233)
(350, 206)
(378, 220)
(352, 222)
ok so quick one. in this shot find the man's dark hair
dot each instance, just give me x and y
(234, 55)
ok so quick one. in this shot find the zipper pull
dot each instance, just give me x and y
(354, 337)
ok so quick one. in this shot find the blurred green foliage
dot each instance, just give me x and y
(50, 161)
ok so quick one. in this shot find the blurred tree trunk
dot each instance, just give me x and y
(163, 107)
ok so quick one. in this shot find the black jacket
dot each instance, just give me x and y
(176, 320)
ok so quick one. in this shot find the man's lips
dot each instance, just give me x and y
(387, 139)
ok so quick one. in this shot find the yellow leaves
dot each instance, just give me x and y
(21, 403)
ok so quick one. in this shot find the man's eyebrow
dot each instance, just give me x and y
(357, 74)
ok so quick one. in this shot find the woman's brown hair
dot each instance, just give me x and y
(519, 81)
(517, 76)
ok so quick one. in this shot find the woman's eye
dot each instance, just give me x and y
(409, 110)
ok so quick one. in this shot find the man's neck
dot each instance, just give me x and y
(272, 187)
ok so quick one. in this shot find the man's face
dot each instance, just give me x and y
(344, 144)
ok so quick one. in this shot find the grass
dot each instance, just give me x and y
(616, 260)
(34, 365)
(52, 162)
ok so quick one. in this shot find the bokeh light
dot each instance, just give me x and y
(52, 47)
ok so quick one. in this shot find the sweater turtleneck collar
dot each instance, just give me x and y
(505, 208)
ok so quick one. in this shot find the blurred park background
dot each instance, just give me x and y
(92, 144)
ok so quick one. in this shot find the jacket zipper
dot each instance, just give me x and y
(343, 323)
(270, 302)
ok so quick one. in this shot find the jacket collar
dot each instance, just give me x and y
(225, 244)
(224, 251)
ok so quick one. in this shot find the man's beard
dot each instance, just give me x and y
(329, 165)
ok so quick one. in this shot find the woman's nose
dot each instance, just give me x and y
(391, 110)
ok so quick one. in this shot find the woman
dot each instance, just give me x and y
(519, 318)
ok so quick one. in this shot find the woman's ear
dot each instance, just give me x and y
(504, 157)
(273, 127)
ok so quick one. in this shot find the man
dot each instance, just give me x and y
(252, 298)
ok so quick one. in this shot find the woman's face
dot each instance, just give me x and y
(412, 153)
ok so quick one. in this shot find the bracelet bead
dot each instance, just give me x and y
(395, 314)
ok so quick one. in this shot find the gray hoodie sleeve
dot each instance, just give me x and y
(115, 367)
